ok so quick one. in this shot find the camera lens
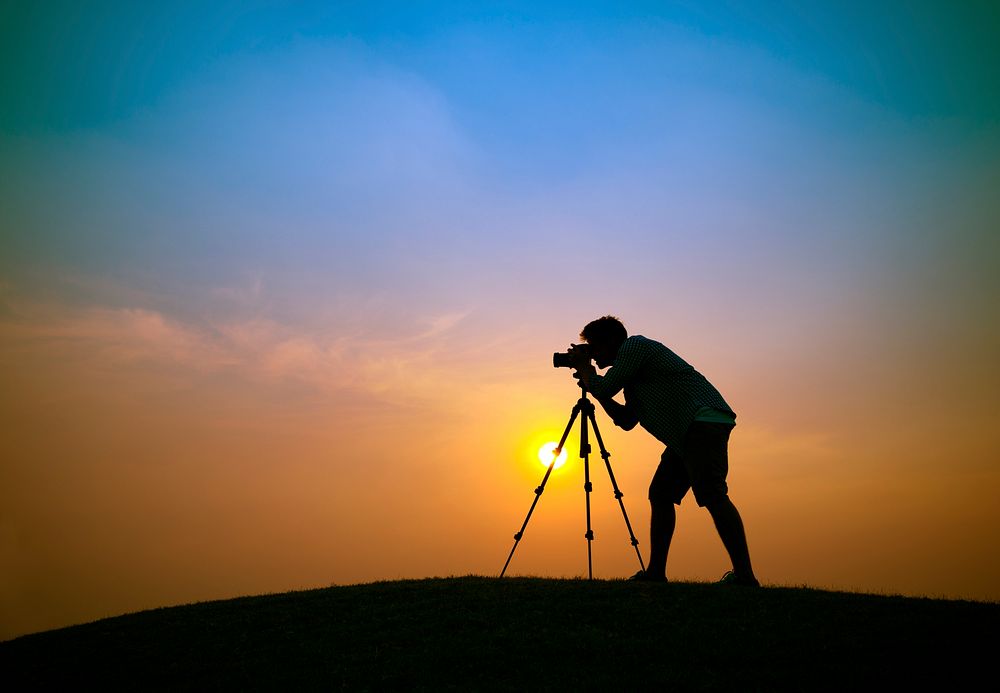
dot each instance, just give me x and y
(562, 360)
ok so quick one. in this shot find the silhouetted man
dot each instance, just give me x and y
(681, 409)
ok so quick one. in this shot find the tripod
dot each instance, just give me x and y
(585, 408)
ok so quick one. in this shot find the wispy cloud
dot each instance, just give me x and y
(259, 350)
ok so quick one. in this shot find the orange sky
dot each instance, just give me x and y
(149, 464)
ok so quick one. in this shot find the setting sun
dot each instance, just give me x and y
(545, 455)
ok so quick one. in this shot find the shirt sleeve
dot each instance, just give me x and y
(623, 370)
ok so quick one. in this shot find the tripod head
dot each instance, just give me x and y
(584, 402)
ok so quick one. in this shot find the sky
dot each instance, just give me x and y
(280, 284)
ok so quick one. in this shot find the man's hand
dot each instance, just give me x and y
(581, 362)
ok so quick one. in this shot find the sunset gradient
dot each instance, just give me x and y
(280, 286)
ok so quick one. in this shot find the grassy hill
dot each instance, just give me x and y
(523, 633)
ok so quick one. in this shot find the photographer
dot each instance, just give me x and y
(680, 408)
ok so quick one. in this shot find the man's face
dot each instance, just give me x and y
(603, 353)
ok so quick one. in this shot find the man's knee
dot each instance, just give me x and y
(661, 505)
(663, 494)
(712, 498)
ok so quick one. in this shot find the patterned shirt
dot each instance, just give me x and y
(661, 388)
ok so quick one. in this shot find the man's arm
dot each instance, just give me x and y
(621, 414)
(626, 365)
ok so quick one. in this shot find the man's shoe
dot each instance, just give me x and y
(731, 578)
(643, 576)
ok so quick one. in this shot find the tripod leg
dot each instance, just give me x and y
(541, 487)
(614, 484)
(587, 487)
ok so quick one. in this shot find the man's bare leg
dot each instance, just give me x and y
(662, 520)
(730, 527)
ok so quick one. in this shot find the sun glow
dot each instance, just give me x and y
(545, 455)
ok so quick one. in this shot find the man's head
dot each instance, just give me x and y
(605, 336)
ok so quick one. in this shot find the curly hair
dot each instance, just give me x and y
(608, 329)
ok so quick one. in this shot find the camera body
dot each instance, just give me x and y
(566, 359)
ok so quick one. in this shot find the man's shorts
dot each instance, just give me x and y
(703, 466)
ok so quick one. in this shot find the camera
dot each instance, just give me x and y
(565, 359)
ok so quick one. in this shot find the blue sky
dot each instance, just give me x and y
(74, 66)
(434, 123)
